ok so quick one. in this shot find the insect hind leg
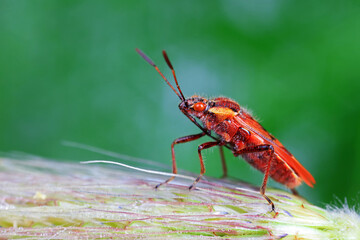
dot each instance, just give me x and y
(262, 148)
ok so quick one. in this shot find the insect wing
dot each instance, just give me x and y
(246, 121)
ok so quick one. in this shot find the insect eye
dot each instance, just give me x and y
(199, 106)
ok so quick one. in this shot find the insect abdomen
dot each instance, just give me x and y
(239, 138)
(279, 170)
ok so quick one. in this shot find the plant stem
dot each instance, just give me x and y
(45, 199)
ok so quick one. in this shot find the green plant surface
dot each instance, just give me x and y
(46, 199)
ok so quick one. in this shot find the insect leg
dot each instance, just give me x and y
(223, 163)
(202, 170)
(295, 192)
(177, 141)
(262, 148)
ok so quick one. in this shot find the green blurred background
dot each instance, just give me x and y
(69, 71)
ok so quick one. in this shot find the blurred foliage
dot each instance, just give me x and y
(68, 71)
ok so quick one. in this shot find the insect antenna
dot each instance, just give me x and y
(182, 98)
(173, 72)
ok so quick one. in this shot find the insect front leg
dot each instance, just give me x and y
(262, 148)
(202, 171)
(177, 141)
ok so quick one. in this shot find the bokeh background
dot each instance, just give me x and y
(69, 71)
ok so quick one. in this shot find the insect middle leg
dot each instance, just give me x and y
(202, 171)
(223, 162)
(262, 148)
(177, 141)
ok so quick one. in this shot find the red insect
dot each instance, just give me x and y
(236, 129)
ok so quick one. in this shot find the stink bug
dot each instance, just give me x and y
(231, 126)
